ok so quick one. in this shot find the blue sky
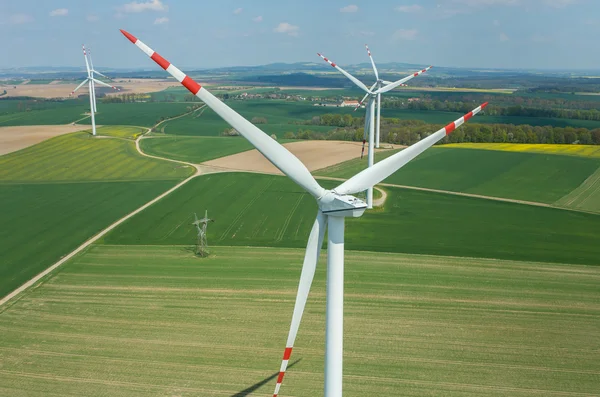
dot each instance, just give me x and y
(548, 34)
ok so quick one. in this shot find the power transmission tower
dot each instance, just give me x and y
(201, 225)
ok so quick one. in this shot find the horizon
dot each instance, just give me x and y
(471, 34)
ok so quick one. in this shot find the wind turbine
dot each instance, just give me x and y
(92, 71)
(374, 94)
(334, 205)
(90, 80)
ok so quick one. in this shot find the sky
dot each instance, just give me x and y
(523, 34)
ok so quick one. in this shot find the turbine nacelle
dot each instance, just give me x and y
(342, 205)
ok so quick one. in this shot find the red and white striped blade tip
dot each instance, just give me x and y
(131, 37)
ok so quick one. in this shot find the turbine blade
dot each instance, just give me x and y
(89, 54)
(104, 84)
(97, 72)
(399, 82)
(79, 86)
(372, 62)
(365, 97)
(367, 126)
(311, 257)
(87, 65)
(352, 78)
(375, 174)
(281, 158)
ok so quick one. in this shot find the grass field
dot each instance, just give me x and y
(566, 150)
(64, 112)
(41, 222)
(43, 217)
(517, 175)
(120, 131)
(585, 197)
(155, 321)
(31, 112)
(262, 210)
(194, 149)
(140, 114)
(80, 157)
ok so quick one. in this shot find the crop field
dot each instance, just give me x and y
(586, 197)
(56, 194)
(138, 114)
(254, 210)
(32, 112)
(41, 222)
(567, 150)
(64, 112)
(517, 175)
(194, 149)
(154, 320)
(120, 131)
(79, 157)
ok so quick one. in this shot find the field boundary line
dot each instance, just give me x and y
(112, 226)
(91, 240)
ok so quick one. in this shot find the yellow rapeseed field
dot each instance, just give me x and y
(570, 150)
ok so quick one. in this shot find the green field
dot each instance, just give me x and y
(80, 157)
(34, 112)
(141, 114)
(194, 149)
(56, 194)
(155, 321)
(586, 197)
(64, 112)
(536, 177)
(262, 210)
(41, 222)
(120, 131)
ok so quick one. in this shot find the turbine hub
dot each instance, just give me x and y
(343, 205)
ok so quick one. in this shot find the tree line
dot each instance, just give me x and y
(407, 132)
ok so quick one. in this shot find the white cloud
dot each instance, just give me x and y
(349, 8)
(503, 37)
(258, 19)
(405, 34)
(287, 28)
(238, 11)
(92, 18)
(134, 6)
(411, 8)
(18, 19)
(59, 12)
(161, 20)
(496, 22)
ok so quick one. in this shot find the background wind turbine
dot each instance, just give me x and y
(92, 71)
(333, 206)
(372, 93)
(90, 80)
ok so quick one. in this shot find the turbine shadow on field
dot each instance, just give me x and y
(256, 386)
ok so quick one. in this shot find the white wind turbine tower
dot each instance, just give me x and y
(374, 94)
(90, 80)
(334, 205)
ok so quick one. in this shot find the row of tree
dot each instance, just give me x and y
(407, 132)
(495, 110)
